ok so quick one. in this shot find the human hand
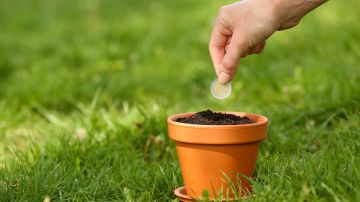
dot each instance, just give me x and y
(243, 27)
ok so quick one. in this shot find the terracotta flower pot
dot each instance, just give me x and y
(207, 152)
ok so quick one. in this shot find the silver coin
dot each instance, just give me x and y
(219, 90)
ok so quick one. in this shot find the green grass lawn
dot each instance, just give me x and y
(86, 86)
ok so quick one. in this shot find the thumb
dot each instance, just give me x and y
(237, 49)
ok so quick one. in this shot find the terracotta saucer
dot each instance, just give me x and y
(180, 193)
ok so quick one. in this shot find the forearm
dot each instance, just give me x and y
(288, 13)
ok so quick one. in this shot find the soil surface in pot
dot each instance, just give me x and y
(214, 118)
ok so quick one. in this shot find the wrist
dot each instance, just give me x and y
(288, 13)
(276, 7)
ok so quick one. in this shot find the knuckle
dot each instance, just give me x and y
(243, 48)
(223, 14)
(229, 65)
(223, 9)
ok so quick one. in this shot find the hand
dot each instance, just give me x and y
(243, 27)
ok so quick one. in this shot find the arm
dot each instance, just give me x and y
(243, 27)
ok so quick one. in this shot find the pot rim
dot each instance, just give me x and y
(263, 120)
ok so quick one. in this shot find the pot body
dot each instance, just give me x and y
(212, 155)
(204, 166)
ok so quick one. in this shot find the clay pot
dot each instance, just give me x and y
(210, 155)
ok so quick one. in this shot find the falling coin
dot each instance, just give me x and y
(219, 90)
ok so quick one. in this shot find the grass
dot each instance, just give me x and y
(86, 86)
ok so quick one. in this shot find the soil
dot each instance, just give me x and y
(214, 118)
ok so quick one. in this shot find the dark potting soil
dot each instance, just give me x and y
(214, 118)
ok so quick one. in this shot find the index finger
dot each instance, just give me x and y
(218, 41)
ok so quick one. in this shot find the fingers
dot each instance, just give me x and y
(236, 49)
(218, 41)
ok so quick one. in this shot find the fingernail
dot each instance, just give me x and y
(224, 78)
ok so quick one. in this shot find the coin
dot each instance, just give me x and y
(219, 90)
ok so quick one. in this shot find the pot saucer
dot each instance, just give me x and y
(180, 193)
